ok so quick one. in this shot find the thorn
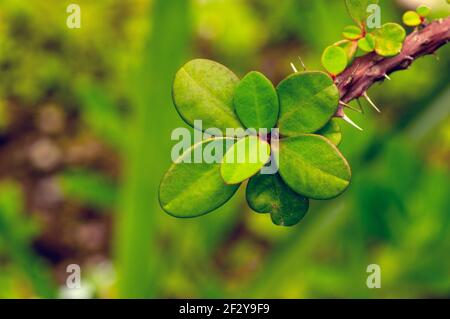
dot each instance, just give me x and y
(371, 103)
(348, 81)
(360, 105)
(408, 57)
(303, 64)
(294, 68)
(349, 106)
(355, 69)
(387, 77)
(349, 121)
(339, 112)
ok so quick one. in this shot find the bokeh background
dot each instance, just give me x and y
(85, 123)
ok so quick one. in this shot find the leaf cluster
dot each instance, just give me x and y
(309, 164)
(359, 39)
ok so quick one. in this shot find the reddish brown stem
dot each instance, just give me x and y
(371, 68)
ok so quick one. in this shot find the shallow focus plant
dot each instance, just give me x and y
(292, 127)
(310, 165)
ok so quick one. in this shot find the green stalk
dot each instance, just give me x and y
(147, 149)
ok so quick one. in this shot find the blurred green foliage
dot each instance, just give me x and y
(90, 188)
(16, 233)
(115, 74)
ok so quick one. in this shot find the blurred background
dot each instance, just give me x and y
(85, 122)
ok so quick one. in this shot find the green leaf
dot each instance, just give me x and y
(204, 90)
(423, 10)
(334, 59)
(332, 131)
(269, 194)
(367, 44)
(389, 39)
(256, 102)
(194, 189)
(308, 100)
(358, 10)
(313, 167)
(352, 32)
(411, 18)
(244, 159)
(349, 48)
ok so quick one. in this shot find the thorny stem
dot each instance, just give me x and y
(372, 68)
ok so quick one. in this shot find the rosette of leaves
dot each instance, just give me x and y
(359, 39)
(309, 164)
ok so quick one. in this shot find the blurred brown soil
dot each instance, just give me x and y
(38, 143)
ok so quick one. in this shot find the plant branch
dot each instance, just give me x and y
(366, 70)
